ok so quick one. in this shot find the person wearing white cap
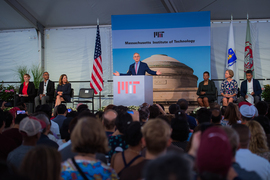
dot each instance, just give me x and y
(30, 129)
(247, 112)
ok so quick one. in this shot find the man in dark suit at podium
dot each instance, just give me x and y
(138, 68)
(45, 91)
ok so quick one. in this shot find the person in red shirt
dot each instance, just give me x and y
(26, 91)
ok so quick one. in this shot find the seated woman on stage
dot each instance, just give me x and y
(229, 88)
(63, 90)
(206, 91)
(26, 91)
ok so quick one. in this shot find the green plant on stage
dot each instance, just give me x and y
(266, 93)
(20, 71)
(37, 75)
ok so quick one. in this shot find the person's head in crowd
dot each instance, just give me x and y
(44, 118)
(156, 136)
(30, 129)
(21, 106)
(86, 113)
(203, 115)
(108, 120)
(171, 166)
(8, 119)
(214, 156)
(244, 135)
(2, 121)
(54, 113)
(232, 114)
(214, 105)
(122, 121)
(26, 77)
(95, 141)
(262, 108)
(13, 111)
(264, 123)
(62, 110)
(19, 118)
(120, 109)
(99, 115)
(180, 127)
(233, 138)
(71, 126)
(63, 79)
(258, 140)
(247, 112)
(223, 109)
(45, 108)
(144, 114)
(154, 111)
(174, 108)
(110, 106)
(133, 134)
(72, 114)
(216, 116)
(82, 107)
(167, 118)
(42, 163)
(183, 104)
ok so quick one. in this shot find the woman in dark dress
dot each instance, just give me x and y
(206, 91)
(63, 90)
(26, 91)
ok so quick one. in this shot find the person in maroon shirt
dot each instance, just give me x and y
(13, 133)
(6, 144)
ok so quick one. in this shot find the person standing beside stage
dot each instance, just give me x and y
(26, 91)
(45, 91)
(63, 90)
(250, 86)
(229, 88)
(138, 68)
(206, 91)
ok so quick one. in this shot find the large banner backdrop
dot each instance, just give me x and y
(182, 36)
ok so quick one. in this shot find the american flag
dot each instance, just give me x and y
(97, 73)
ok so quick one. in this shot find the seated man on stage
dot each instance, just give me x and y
(250, 86)
(45, 91)
(138, 68)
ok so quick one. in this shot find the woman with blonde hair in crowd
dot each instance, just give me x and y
(88, 138)
(42, 163)
(258, 140)
(63, 90)
(231, 115)
(229, 88)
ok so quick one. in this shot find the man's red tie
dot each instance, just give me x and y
(136, 68)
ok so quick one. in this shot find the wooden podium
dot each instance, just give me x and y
(132, 90)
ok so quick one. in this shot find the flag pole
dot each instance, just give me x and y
(99, 94)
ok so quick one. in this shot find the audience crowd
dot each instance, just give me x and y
(219, 143)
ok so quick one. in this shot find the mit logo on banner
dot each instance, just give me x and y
(128, 87)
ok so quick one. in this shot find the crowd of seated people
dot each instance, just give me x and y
(150, 143)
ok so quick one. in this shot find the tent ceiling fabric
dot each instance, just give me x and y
(11, 19)
(222, 9)
(62, 13)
